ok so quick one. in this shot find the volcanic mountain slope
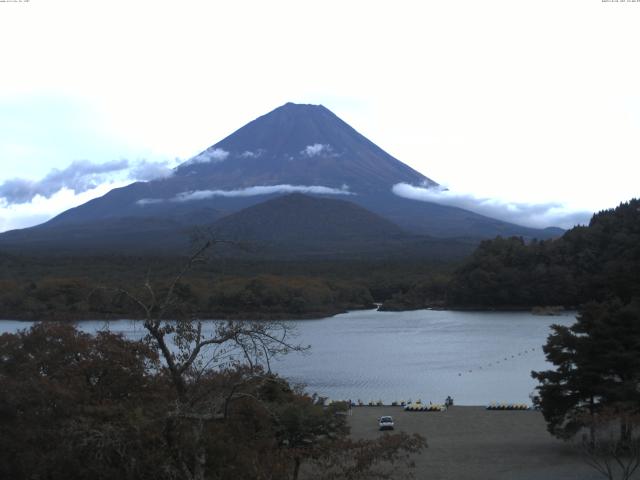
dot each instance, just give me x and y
(293, 149)
(298, 225)
(293, 226)
(299, 145)
(298, 218)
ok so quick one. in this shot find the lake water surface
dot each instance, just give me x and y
(476, 357)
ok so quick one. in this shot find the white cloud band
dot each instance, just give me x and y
(250, 192)
(531, 215)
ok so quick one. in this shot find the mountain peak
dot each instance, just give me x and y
(298, 110)
(299, 106)
(299, 144)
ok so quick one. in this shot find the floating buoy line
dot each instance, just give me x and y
(497, 362)
(418, 406)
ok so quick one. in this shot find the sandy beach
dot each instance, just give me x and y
(472, 443)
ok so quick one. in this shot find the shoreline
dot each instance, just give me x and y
(208, 317)
(287, 316)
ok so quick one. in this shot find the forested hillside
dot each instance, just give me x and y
(587, 263)
(75, 288)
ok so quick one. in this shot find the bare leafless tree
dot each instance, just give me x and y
(189, 349)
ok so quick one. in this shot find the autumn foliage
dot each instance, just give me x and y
(80, 406)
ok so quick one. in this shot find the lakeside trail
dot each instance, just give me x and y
(472, 443)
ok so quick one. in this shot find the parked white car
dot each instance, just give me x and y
(385, 423)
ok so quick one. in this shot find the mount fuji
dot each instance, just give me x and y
(304, 150)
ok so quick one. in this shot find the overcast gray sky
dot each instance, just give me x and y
(528, 110)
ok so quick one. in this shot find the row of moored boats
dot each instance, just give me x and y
(418, 406)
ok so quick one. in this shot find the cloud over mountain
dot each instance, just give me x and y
(532, 215)
(144, 170)
(81, 176)
(214, 155)
(251, 154)
(316, 149)
(249, 192)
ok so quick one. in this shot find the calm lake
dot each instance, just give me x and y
(476, 357)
